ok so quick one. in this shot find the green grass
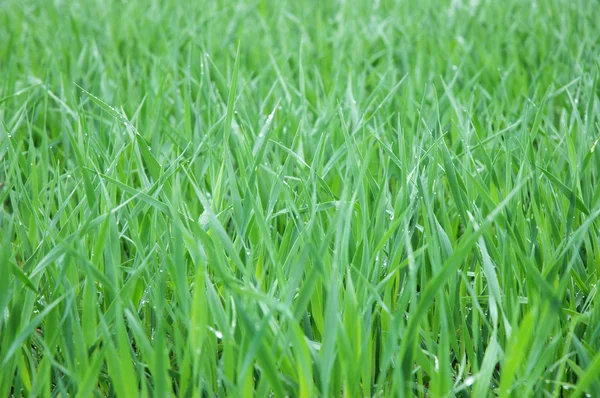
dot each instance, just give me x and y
(308, 198)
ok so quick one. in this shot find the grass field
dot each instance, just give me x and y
(305, 198)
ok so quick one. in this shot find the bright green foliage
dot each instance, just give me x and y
(299, 198)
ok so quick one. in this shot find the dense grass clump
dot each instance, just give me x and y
(308, 198)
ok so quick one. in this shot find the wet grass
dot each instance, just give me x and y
(254, 198)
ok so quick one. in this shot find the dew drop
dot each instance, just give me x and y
(204, 219)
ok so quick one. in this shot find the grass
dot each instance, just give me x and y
(268, 198)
